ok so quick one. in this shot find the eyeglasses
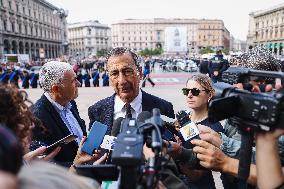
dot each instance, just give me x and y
(127, 72)
(194, 91)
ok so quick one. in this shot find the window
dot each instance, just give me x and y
(24, 11)
(10, 4)
(29, 12)
(26, 29)
(89, 31)
(17, 7)
(1, 2)
(5, 25)
(13, 27)
(20, 28)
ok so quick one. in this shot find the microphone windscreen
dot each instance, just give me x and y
(115, 130)
(143, 116)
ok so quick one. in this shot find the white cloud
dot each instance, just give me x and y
(233, 13)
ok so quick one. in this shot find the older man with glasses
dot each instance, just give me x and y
(128, 100)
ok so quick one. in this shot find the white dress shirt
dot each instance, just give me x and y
(136, 106)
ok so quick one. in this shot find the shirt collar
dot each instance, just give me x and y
(135, 104)
(57, 106)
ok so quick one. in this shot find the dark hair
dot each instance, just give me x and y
(15, 114)
(10, 151)
(122, 50)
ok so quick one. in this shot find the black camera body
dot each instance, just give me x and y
(128, 149)
(247, 110)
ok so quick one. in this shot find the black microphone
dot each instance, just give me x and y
(116, 127)
(183, 117)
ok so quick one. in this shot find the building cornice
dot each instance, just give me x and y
(267, 11)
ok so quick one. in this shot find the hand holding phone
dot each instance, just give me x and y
(95, 138)
(60, 142)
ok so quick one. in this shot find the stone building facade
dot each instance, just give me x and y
(266, 28)
(150, 33)
(87, 38)
(33, 27)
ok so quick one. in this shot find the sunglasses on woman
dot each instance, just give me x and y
(194, 91)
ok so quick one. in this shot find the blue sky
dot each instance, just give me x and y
(233, 13)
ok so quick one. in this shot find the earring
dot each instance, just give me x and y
(209, 100)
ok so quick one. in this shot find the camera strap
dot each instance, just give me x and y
(245, 159)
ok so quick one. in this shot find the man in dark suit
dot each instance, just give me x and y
(58, 111)
(125, 74)
(129, 100)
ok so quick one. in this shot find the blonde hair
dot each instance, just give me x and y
(204, 81)
(45, 175)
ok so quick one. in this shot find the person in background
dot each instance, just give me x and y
(33, 80)
(203, 66)
(217, 65)
(25, 80)
(87, 78)
(96, 77)
(146, 73)
(105, 79)
(80, 77)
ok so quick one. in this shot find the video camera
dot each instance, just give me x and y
(127, 159)
(247, 110)
(128, 150)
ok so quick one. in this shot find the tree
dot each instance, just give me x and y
(226, 51)
(151, 52)
(102, 52)
(206, 50)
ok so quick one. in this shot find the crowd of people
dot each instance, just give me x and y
(26, 129)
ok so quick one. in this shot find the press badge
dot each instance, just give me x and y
(108, 142)
(189, 131)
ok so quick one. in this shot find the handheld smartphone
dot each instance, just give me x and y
(60, 142)
(95, 138)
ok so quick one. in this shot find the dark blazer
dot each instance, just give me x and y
(56, 129)
(103, 110)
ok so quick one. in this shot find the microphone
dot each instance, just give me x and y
(183, 117)
(116, 127)
(156, 118)
(144, 116)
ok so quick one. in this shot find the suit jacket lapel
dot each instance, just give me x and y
(109, 110)
(56, 117)
(146, 102)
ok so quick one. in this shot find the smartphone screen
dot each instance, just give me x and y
(60, 142)
(94, 138)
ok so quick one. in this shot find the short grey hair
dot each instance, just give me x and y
(44, 175)
(52, 73)
(118, 51)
